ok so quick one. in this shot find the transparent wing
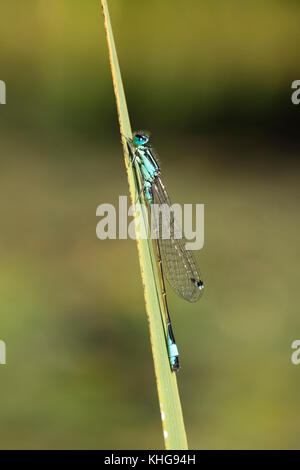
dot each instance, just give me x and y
(179, 265)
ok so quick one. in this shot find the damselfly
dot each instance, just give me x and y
(177, 263)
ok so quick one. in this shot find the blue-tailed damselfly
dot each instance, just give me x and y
(175, 262)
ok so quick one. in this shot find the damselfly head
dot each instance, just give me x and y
(198, 284)
(140, 139)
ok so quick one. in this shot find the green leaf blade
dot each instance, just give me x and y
(170, 406)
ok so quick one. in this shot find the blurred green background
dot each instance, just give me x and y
(212, 81)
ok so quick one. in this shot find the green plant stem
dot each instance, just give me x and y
(170, 406)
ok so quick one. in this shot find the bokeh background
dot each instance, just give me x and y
(212, 81)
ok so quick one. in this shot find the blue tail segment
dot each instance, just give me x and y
(172, 349)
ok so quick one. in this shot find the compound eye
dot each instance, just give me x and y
(140, 139)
